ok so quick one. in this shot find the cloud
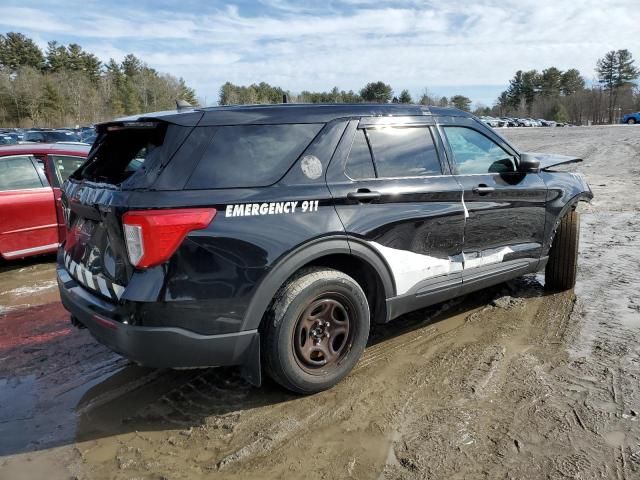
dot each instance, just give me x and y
(410, 44)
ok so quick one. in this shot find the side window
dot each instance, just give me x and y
(251, 155)
(404, 152)
(476, 153)
(359, 162)
(18, 173)
(65, 166)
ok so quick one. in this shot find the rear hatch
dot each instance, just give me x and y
(126, 158)
(122, 222)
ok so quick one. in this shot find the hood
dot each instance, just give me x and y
(548, 160)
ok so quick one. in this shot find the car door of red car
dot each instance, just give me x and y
(58, 168)
(28, 223)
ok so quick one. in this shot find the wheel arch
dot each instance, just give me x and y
(345, 254)
(571, 204)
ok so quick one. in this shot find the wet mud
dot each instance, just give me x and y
(510, 382)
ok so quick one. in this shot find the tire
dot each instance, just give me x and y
(561, 270)
(631, 121)
(299, 350)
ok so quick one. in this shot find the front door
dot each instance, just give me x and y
(505, 208)
(28, 223)
(393, 192)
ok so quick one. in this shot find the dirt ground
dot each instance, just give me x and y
(509, 383)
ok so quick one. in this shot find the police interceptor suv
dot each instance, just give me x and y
(271, 237)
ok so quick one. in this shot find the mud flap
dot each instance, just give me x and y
(251, 370)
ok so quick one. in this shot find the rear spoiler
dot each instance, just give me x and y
(548, 161)
(185, 118)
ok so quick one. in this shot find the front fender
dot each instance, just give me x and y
(565, 190)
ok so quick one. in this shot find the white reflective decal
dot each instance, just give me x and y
(271, 208)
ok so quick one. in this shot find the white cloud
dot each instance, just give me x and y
(409, 44)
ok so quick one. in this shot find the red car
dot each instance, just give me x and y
(31, 217)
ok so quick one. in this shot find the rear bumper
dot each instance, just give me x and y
(160, 347)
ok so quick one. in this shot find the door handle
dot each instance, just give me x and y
(483, 189)
(363, 195)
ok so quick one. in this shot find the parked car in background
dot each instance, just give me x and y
(631, 118)
(50, 136)
(510, 122)
(88, 138)
(32, 220)
(7, 140)
(493, 122)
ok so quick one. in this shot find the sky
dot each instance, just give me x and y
(447, 46)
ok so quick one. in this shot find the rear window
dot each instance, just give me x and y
(250, 155)
(120, 150)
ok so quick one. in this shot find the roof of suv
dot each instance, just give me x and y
(292, 113)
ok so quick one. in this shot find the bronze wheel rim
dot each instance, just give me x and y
(323, 334)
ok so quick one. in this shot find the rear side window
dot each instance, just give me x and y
(18, 173)
(404, 152)
(359, 164)
(251, 155)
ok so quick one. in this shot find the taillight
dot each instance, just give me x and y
(152, 236)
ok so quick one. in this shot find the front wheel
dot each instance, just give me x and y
(315, 330)
(561, 270)
(631, 121)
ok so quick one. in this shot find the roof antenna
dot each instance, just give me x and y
(284, 98)
(182, 105)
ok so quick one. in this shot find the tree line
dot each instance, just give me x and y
(552, 94)
(373, 92)
(66, 85)
(564, 95)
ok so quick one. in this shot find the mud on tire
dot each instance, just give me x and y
(315, 330)
(561, 270)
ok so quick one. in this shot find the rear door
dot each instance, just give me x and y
(28, 224)
(506, 208)
(393, 192)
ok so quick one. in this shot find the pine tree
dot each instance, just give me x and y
(616, 71)
(17, 50)
(405, 97)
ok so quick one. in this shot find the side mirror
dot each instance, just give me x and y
(528, 163)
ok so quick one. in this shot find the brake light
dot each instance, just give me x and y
(152, 236)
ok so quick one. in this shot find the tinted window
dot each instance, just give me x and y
(33, 137)
(476, 153)
(359, 163)
(404, 152)
(18, 173)
(61, 137)
(251, 155)
(65, 166)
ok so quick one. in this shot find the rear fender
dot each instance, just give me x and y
(304, 255)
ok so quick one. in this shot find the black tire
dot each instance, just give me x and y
(287, 327)
(561, 270)
(631, 121)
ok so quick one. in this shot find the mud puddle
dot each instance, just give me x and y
(511, 382)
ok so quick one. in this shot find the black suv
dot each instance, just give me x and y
(272, 236)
